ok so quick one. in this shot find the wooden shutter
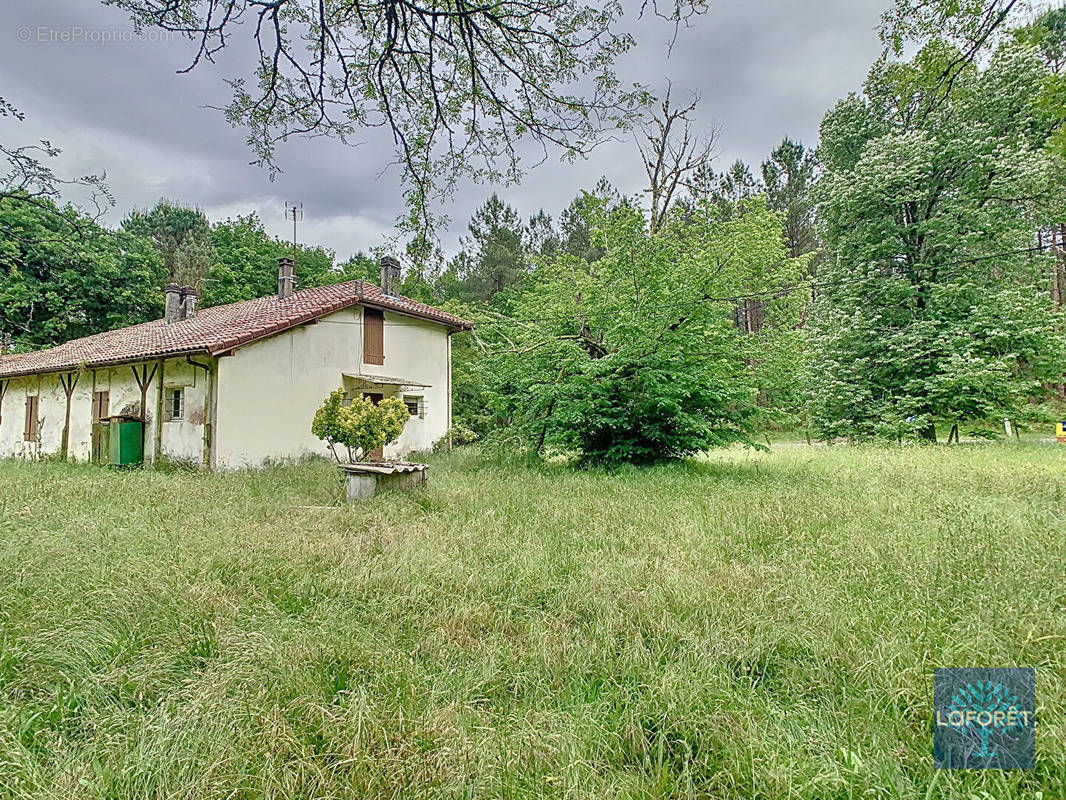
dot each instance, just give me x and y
(373, 336)
(30, 432)
(101, 403)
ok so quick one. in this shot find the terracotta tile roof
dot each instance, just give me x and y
(217, 329)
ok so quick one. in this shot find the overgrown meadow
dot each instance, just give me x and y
(745, 625)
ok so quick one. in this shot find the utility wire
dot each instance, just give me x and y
(779, 292)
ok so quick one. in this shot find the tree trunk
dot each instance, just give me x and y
(1058, 277)
(928, 433)
(544, 429)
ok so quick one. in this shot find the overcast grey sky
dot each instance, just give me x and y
(114, 103)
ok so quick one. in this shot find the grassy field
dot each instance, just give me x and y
(751, 625)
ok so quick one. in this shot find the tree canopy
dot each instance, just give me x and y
(245, 263)
(634, 357)
(932, 306)
(56, 286)
(909, 272)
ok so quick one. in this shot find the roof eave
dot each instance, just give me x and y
(458, 324)
(104, 362)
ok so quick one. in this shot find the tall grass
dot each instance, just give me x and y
(749, 625)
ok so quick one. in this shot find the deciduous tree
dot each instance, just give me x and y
(932, 307)
(55, 287)
(673, 154)
(244, 263)
(634, 357)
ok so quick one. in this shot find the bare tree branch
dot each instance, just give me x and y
(29, 178)
(672, 154)
(460, 84)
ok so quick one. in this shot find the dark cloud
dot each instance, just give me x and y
(764, 69)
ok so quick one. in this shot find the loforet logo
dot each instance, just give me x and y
(984, 718)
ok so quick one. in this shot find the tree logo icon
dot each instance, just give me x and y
(984, 718)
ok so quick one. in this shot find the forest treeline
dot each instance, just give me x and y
(904, 276)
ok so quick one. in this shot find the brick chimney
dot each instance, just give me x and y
(390, 275)
(286, 281)
(190, 298)
(174, 310)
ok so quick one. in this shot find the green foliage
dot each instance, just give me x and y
(494, 259)
(326, 424)
(788, 177)
(62, 276)
(630, 358)
(727, 189)
(931, 309)
(575, 232)
(246, 263)
(1048, 34)
(181, 234)
(361, 426)
(968, 24)
(471, 374)
(457, 436)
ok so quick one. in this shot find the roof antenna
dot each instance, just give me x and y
(295, 212)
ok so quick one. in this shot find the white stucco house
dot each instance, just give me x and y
(236, 385)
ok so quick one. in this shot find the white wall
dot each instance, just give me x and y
(268, 391)
(13, 415)
(181, 440)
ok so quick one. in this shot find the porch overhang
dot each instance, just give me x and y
(384, 380)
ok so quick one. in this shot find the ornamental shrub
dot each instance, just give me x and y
(361, 427)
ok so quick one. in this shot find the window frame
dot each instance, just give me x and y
(419, 404)
(174, 404)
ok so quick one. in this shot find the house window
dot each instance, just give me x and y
(30, 431)
(174, 405)
(414, 405)
(101, 403)
(373, 336)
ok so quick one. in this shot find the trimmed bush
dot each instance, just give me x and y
(362, 426)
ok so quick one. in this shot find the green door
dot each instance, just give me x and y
(126, 442)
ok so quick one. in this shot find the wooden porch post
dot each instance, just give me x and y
(68, 382)
(144, 380)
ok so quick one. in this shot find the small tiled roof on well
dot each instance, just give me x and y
(217, 329)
